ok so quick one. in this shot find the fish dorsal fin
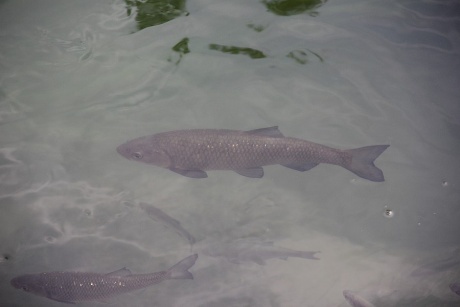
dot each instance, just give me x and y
(120, 272)
(270, 131)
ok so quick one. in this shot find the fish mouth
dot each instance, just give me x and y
(15, 283)
(120, 150)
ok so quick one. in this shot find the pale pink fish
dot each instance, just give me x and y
(356, 300)
(192, 152)
(71, 287)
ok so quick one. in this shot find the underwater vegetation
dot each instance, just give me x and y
(293, 7)
(155, 12)
(252, 53)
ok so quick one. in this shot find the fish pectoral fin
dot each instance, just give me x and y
(49, 295)
(61, 301)
(270, 131)
(254, 172)
(259, 261)
(190, 173)
(120, 272)
(301, 167)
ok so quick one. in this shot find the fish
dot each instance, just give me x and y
(356, 300)
(455, 287)
(438, 266)
(155, 213)
(254, 250)
(191, 153)
(72, 287)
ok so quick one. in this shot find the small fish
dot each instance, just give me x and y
(158, 214)
(355, 300)
(247, 250)
(438, 266)
(455, 287)
(71, 287)
(191, 152)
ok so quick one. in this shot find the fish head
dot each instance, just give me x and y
(30, 283)
(145, 150)
(349, 296)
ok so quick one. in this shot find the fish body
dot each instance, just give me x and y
(439, 266)
(455, 287)
(253, 250)
(356, 300)
(192, 152)
(71, 287)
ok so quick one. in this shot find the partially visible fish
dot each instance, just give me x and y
(247, 250)
(192, 152)
(356, 300)
(155, 213)
(71, 287)
(438, 266)
(455, 287)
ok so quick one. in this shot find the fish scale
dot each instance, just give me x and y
(216, 149)
(75, 286)
(70, 287)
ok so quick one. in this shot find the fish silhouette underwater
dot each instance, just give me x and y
(71, 287)
(192, 152)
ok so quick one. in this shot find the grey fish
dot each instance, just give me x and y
(455, 287)
(192, 152)
(71, 287)
(156, 213)
(355, 300)
(253, 250)
(438, 266)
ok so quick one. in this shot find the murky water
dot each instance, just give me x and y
(79, 78)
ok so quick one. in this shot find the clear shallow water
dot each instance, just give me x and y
(78, 79)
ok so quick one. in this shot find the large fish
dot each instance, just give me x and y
(192, 152)
(71, 287)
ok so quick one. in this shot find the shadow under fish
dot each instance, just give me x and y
(71, 287)
(157, 214)
(253, 250)
(191, 153)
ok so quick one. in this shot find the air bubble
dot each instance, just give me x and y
(88, 212)
(5, 257)
(388, 213)
(445, 183)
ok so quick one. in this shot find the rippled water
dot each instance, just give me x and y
(79, 78)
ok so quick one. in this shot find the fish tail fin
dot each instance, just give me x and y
(309, 255)
(362, 162)
(180, 269)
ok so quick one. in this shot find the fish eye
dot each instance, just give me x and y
(136, 155)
